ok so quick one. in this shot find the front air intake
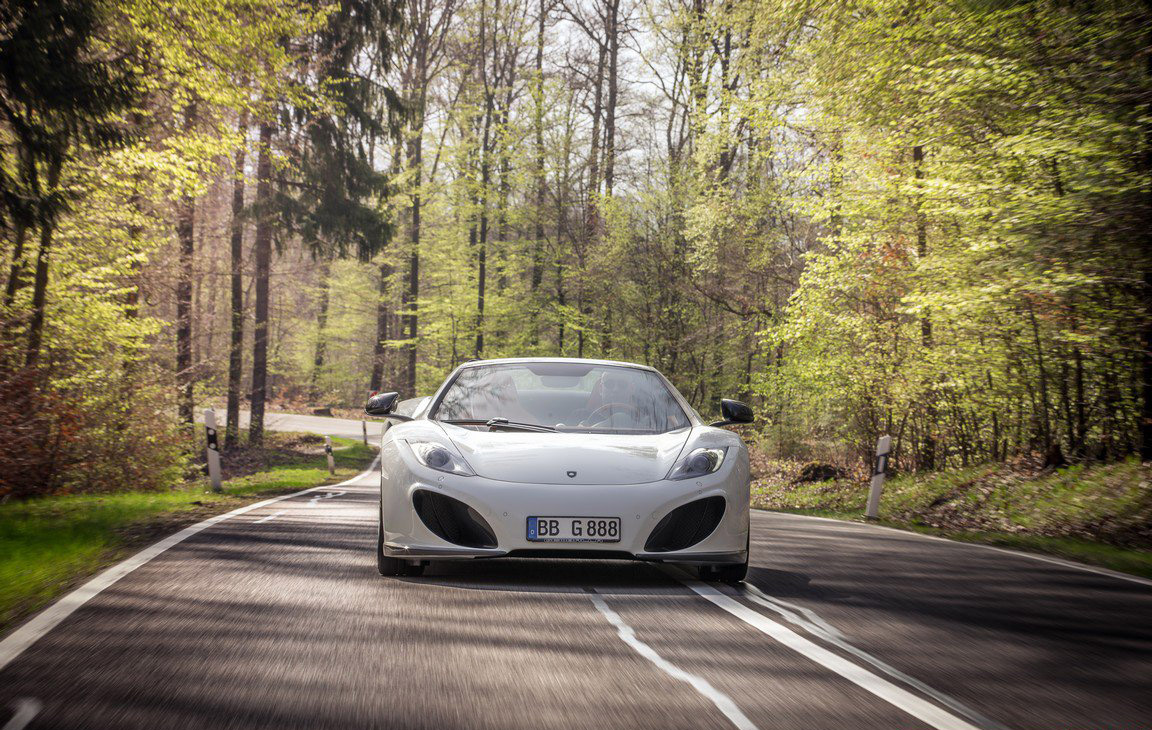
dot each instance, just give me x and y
(686, 525)
(452, 520)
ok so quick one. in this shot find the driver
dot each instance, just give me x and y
(616, 394)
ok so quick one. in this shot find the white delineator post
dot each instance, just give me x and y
(213, 449)
(328, 451)
(883, 446)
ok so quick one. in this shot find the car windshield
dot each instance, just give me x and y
(574, 397)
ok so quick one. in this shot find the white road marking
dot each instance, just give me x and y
(811, 615)
(627, 634)
(821, 629)
(878, 686)
(316, 500)
(26, 709)
(1015, 553)
(15, 643)
(269, 518)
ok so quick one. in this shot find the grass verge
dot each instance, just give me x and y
(51, 544)
(1097, 514)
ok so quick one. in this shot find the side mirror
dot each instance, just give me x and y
(382, 404)
(733, 411)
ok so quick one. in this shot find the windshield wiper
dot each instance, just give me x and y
(503, 424)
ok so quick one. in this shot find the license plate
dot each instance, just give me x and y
(574, 529)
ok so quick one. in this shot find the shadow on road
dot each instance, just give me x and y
(539, 575)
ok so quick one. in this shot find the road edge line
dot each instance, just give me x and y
(874, 684)
(1063, 562)
(820, 629)
(15, 643)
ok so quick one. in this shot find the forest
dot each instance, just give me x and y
(925, 219)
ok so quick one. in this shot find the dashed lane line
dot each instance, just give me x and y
(269, 518)
(627, 634)
(316, 500)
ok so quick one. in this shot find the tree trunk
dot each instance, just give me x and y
(1045, 420)
(263, 251)
(927, 459)
(481, 284)
(379, 351)
(1081, 416)
(541, 190)
(412, 295)
(482, 240)
(39, 294)
(612, 51)
(592, 222)
(185, 234)
(40, 283)
(1146, 235)
(321, 350)
(613, 42)
(560, 299)
(16, 271)
(236, 338)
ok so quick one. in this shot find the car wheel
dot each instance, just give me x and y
(728, 572)
(392, 566)
(731, 573)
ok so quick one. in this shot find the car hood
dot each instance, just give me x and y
(568, 458)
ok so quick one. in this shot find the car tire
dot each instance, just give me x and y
(728, 572)
(392, 566)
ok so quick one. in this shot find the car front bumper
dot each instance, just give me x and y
(506, 507)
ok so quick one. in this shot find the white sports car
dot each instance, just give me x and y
(553, 457)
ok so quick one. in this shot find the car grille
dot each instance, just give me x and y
(686, 525)
(452, 520)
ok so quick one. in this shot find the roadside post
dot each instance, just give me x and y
(213, 449)
(883, 447)
(328, 451)
(364, 426)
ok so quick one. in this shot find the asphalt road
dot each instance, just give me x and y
(276, 618)
(275, 421)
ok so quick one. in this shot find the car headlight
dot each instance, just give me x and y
(439, 457)
(698, 463)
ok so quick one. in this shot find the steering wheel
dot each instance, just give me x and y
(593, 416)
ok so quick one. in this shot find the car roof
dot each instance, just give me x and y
(583, 361)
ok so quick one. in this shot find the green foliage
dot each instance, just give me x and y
(49, 543)
(99, 99)
(865, 216)
(330, 197)
(1012, 239)
(1093, 513)
(1106, 503)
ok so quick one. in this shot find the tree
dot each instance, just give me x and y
(56, 94)
(330, 198)
(236, 290)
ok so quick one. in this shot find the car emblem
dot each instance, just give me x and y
(572, 475)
